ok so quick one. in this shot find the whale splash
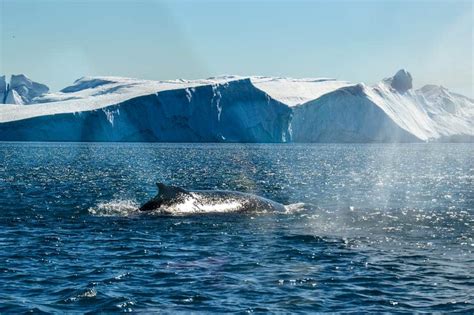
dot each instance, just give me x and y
(115, 208)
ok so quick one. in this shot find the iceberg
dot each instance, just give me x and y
(389, 111)
(235, 109)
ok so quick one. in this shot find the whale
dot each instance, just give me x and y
(177, 200)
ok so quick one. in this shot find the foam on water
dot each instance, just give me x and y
(295, 207)
(115, 208)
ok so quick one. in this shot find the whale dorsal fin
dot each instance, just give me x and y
(169, 192)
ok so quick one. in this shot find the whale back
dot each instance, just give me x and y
(166, 196)
(168, 192)
(200, 200)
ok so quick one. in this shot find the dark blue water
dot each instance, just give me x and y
(382, 228)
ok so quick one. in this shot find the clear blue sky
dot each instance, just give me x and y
(58, 41)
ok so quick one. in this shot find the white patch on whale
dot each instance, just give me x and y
(196, 203)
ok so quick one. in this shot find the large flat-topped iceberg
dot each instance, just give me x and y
(118, 109)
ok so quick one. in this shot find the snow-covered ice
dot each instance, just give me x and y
(389, 111)
(235, 108)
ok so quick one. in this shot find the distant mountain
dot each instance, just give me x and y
(234, 109)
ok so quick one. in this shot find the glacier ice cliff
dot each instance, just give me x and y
(346, 115)
(234, 109)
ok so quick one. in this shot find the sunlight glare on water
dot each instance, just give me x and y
(377, 228)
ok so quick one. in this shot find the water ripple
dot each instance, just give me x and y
(370, 228)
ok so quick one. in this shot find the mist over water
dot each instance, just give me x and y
(369, 227)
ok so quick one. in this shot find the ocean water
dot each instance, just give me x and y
(368, 228)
